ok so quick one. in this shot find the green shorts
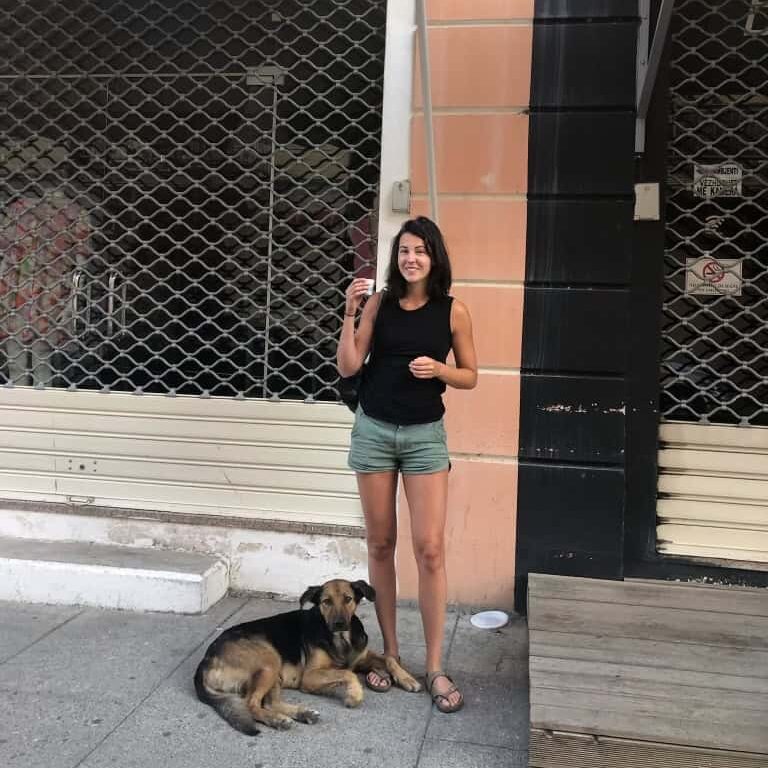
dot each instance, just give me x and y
(415, 449)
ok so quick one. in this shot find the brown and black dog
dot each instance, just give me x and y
(317, 650)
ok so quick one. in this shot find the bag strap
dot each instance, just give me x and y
(375, 321)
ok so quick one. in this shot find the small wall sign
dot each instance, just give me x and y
(723, 180)
(706, 276)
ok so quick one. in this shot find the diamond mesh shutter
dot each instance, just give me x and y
(715, 312)
(185, 190)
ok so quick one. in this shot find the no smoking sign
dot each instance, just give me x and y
(713, 277)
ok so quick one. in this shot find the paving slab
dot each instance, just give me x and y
(443, 754)
(22, 625)
(499, 653)
(62, 695)
(495, 714)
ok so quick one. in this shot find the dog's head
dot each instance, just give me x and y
(337, 601)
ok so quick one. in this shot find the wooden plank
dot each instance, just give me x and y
(549, 749)
(732, 703)
(657, 594)
(622, 717)
(667, 624)
(662, 675)
(748, 662)
(645, 706)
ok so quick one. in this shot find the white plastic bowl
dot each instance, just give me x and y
(489, 620)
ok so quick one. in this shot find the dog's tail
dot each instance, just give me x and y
(230, 706)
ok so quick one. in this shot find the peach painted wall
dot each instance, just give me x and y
(480, 61)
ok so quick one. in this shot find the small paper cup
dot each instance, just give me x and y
(369, 286)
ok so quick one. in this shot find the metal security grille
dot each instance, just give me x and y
(186, 188)
(715, 313)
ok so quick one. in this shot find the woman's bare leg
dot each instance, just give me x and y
(378, 492)
(427, 501)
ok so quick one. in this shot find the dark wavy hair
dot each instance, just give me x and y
(439, 279)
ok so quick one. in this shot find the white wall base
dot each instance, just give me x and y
(277, 562)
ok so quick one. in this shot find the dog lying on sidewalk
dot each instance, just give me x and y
(317, 650)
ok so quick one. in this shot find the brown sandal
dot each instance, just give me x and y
(384, 677)
(441, 700)
(385, 681)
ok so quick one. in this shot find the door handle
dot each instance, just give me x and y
(112, 282)
(77, 280)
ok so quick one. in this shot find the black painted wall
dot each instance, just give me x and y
(576, 350)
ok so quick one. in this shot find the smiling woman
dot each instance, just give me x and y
(399, 427)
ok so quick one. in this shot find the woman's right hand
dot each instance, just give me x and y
(356, 290)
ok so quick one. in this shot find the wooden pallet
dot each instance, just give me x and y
(647, 674)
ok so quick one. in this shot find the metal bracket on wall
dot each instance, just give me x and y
(648, 61)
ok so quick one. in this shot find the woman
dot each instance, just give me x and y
(409, 330)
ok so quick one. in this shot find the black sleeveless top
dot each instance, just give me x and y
(389, 391)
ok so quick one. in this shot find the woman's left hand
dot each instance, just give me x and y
(425, 368)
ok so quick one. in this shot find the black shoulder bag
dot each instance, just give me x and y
(349, 386)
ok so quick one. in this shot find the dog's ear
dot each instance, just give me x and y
(363, 589)
(311, 595)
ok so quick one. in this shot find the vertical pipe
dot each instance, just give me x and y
(395, 123)
(643, 36)
(654, 57)
(426, 96)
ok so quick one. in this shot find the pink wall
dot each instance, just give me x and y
(480, 72)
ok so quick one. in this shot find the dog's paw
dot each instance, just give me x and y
(354, 696)
(279, 722)
(309, 716)
(402, 677)
(408, 683)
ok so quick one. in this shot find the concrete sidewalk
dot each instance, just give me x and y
(113, 689)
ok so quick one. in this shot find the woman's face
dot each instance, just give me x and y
(412, 259)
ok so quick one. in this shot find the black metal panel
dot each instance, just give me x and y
(595, 65)
(579, 241)
(582, 9)
(564, 418)
(573, 523)
(581, 153)
(575, 330)
(576, 308)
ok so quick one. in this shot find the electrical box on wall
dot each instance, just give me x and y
(647, 202)
(401, 197)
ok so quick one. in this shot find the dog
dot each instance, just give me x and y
(317, 650)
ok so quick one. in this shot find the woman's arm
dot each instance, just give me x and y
(354, 345)
(464, 374)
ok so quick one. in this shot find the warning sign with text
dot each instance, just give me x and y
(722, 180)
(714, 277)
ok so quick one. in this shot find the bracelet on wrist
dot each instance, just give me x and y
(350, 314)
